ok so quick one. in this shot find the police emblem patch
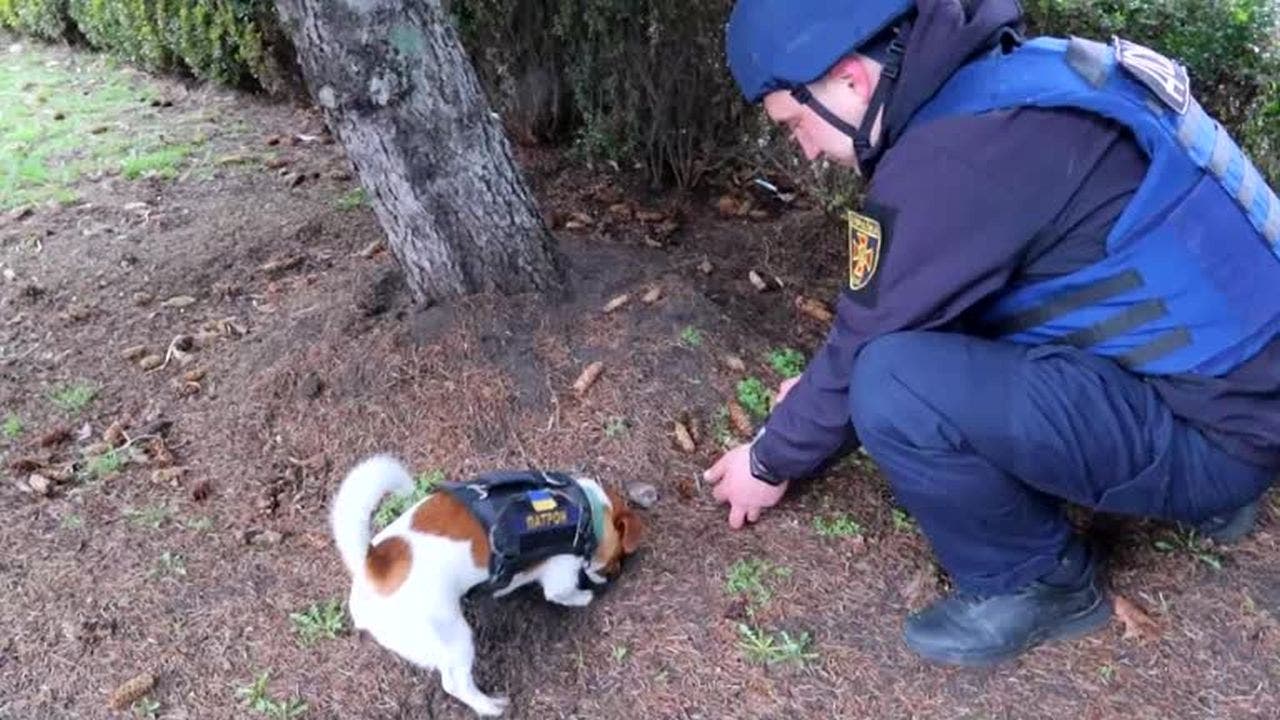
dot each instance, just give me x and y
(1164, 77)
(865, 243)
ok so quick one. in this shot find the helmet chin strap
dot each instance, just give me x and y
(866, 153)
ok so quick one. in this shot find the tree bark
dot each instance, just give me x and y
(401, 95)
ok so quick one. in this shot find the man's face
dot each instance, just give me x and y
(845, 92)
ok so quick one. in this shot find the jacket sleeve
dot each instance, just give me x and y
(956, 224)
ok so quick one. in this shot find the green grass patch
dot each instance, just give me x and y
(691, 337)
(73, 398)
(148, 707)
(169, 564)
(204, 523)
(615, 427)
(752, 578)
(256, 697)
(63, 120)
(320, 621)
(12, 427)
(163, 162)
(787, 362)
(353, 200)
(152, 516)
(395, 505)
(771, 648)
(754, 396)
(902, 522)
(720, 428)
(839, 525)
(105, 465)
(1189, 543)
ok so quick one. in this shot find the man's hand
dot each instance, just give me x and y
(735, 485)
(785, 388)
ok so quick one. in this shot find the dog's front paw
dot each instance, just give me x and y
(490, 706)
(577, 598)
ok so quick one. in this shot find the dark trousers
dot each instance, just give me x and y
(983, 441)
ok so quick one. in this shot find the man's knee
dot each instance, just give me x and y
(887, 368)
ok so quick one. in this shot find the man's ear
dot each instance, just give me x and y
(852, 71)
(632, 529)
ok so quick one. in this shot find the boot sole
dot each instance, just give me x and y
(1076, 626)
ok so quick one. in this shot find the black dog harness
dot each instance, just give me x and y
(530, 516)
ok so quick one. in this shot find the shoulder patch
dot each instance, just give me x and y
(1164, 77)
(869, 235)
(865, 242)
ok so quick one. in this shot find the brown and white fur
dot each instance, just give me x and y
(408, 583)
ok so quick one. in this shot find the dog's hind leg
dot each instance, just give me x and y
(456, 656)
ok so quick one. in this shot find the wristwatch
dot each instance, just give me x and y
(758, 469)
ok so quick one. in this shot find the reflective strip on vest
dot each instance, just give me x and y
(1211, 147)
(1271, 229)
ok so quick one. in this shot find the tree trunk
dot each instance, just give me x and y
(399, 91)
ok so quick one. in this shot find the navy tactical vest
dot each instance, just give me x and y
(530, 516)
(1191, 279)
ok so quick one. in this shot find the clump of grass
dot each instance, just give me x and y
(12, 427)
(720, 428)
(320, 621)
(352, 200)
(1189, 543)
(615, 427)
(691, 336)
(152, 516)
(902, 522)
(73, 398)
(394, 506)
(148, 707)
(840, 525)
(105, 465)
(256, 697)
(787, 362)
(162, 163)
(753, 396)
(170, 564)
(751, 577)
(203, 523)
(772, 648)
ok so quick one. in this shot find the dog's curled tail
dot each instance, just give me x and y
(357, 498)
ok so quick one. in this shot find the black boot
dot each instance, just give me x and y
(965, 629)
(1231, 527)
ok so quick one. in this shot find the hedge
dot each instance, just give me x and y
(647, 87)
(233, 42)
(641, 84)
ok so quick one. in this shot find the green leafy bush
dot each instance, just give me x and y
(644, 80)
(45, 19)
(643, 83)
(233, 42)
(1231, 49)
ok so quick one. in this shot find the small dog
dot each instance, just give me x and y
(408, 584)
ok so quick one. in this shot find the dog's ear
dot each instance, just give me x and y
(631, 528)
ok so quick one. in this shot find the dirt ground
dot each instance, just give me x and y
(184, 541)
